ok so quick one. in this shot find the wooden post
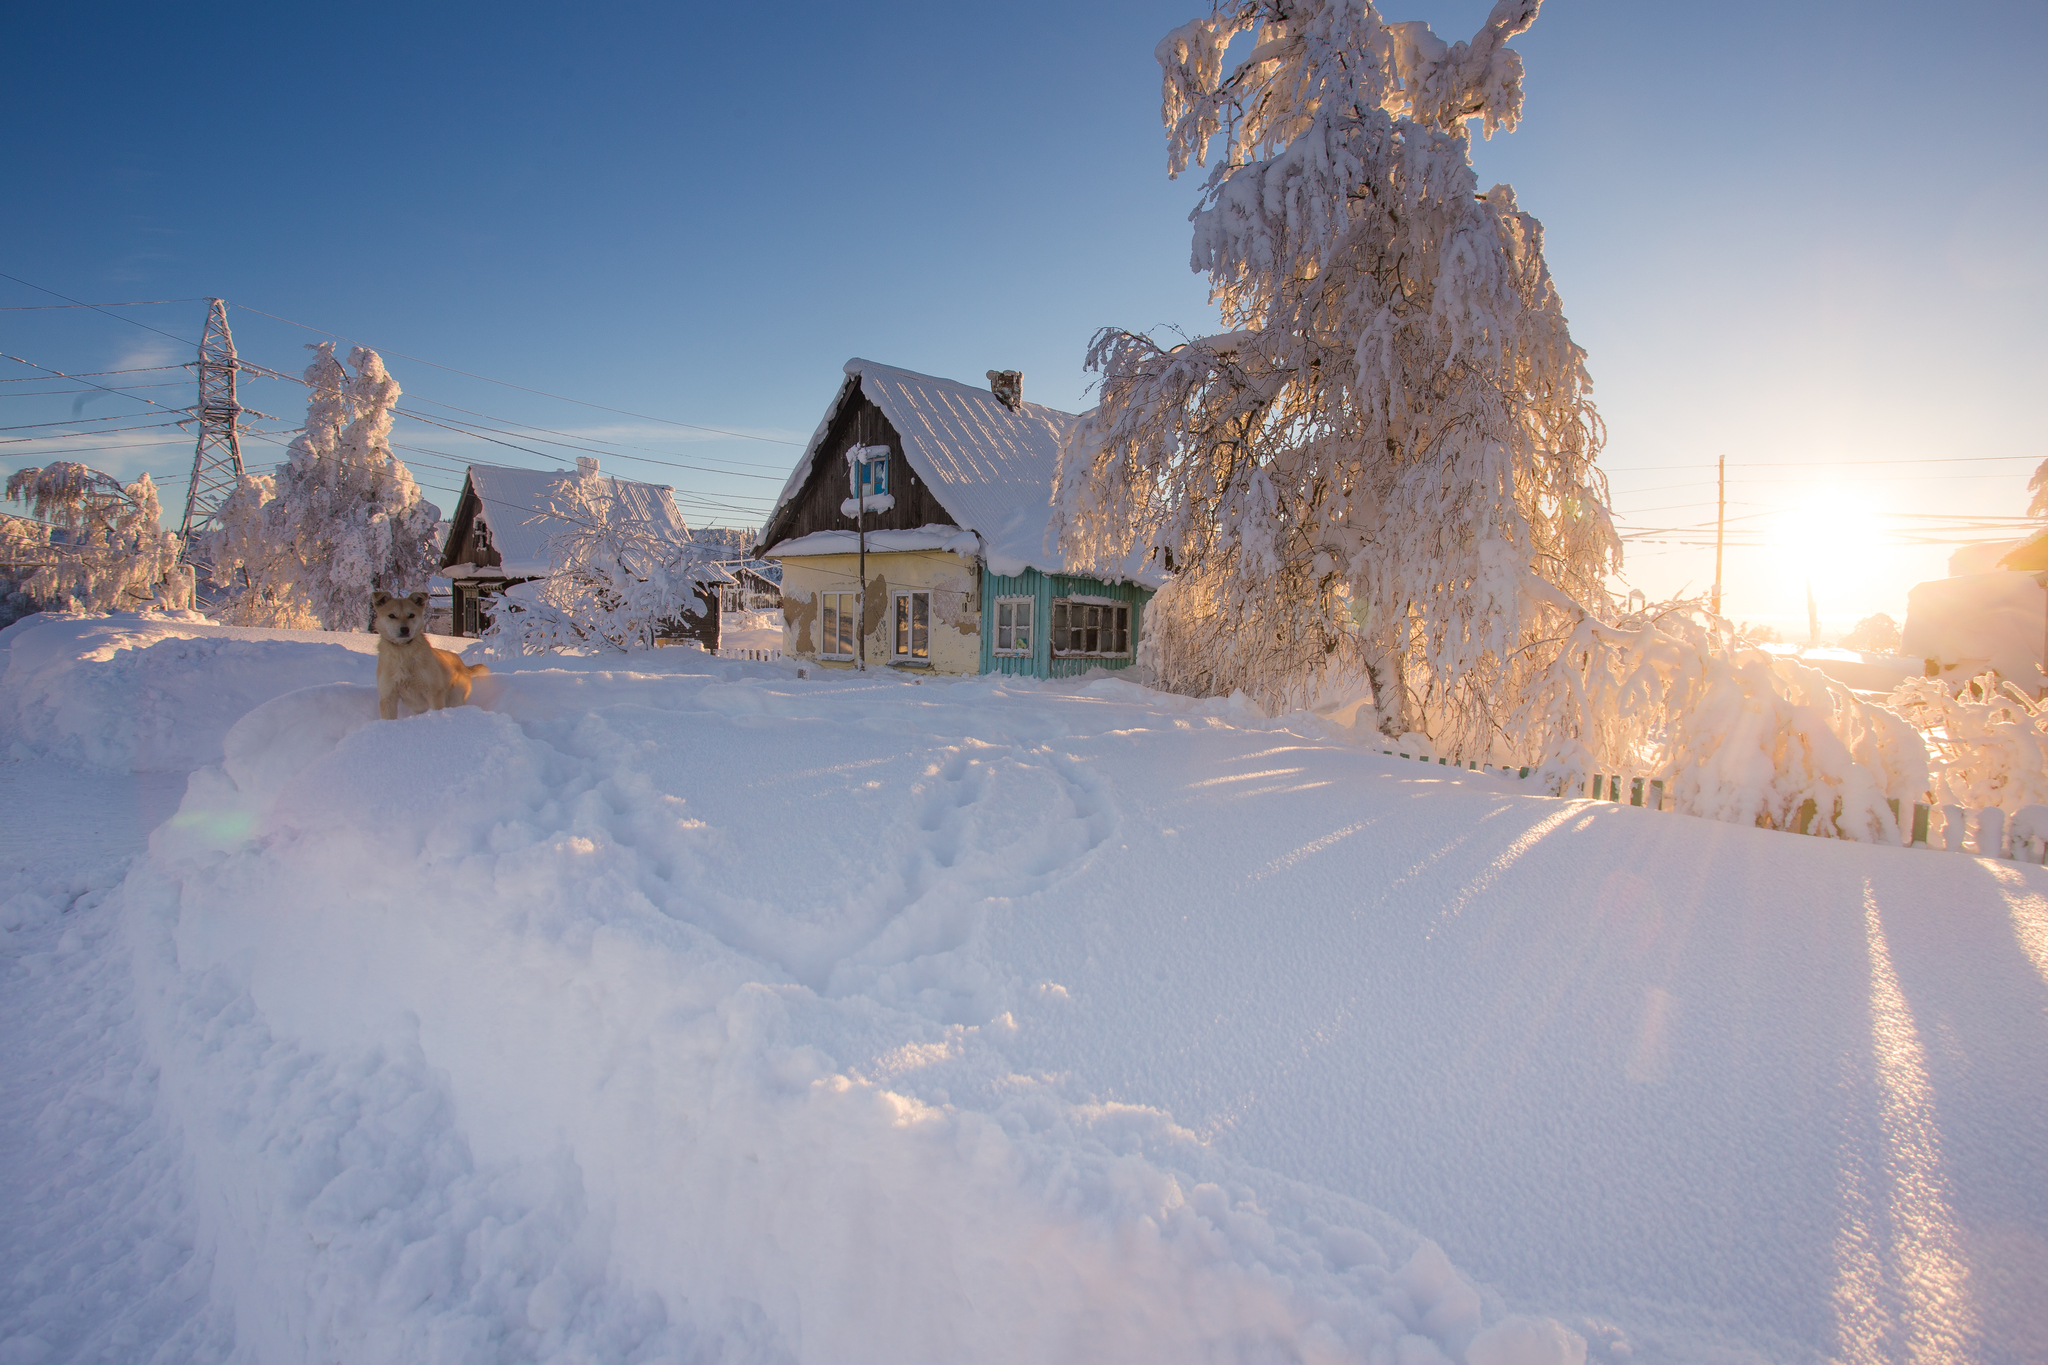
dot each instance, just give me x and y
(1720, 530)
(1657, 795)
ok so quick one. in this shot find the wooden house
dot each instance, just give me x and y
(500, 532)
(957, 485)
(752, 589)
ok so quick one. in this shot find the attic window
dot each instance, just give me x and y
(869, 466)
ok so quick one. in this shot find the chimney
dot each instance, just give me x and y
(586, 464)
(1007, 386)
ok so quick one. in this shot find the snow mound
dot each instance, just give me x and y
(499, 1053)
(147, 694)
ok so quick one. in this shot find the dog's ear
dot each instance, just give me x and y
(419, 599)
(379, 598)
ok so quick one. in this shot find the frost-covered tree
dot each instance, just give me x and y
(615, 576)
(1387, 463)
(1989, 740)
(1737, 734)
(346, 509)
(1878, 634)
(102, 542)
(255, 568)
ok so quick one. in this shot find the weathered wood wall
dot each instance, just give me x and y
(816, 505)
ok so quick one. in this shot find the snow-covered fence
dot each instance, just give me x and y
(762, 656)
(1949, 828)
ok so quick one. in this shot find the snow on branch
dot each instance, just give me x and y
(342, 518)
(616, 576)
(1385, 467)
(1740, 735)
(103, 547)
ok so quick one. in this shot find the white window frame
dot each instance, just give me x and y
(845, 606)
(903, 626)
(1092, 617)
(1029, 624)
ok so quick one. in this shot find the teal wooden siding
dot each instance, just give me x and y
(1042, 589)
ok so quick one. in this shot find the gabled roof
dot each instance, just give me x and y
(514, 504)
(990, 466)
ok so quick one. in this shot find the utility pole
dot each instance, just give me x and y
(217, 456)
(1720, 529)
(858, 466)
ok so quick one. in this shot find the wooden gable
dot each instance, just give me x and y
(464, 545)
(816, 505)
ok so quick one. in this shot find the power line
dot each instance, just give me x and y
(53, 393)
(594, 440)
(81, 374)
(97, 308)
(564, 398)
(104, 431)
(50, 307)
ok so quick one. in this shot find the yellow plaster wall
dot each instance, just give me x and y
(951, 580)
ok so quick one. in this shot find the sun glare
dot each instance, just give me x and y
(1828, 539)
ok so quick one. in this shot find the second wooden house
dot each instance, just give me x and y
(500, 536)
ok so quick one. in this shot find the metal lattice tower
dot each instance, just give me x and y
(217, 458)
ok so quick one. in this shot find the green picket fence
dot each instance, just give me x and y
(1992, 832)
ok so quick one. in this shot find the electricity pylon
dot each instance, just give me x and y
(217, 458)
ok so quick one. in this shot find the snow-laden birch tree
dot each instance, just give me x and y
(111, 552)
(347, 515)
(1387, 463)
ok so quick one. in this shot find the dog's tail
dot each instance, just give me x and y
(475, 669)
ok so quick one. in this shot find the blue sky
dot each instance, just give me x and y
(1804, 236)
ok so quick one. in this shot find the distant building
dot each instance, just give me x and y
(958, 487)
(499, 536)
(1991, 612)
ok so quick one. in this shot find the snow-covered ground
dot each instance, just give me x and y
(705, 1013)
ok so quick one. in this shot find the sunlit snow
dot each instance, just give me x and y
(693, 1010)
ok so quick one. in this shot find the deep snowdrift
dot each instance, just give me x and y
(717, 1014)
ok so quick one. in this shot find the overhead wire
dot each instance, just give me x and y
(645, 417)
(51, 307)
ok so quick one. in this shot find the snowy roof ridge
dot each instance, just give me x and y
(513, 502)
(990, 465)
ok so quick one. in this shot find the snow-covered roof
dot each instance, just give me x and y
(990, 465)
(954, 538)
(513, 503)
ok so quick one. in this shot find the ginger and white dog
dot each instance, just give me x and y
(409, 669)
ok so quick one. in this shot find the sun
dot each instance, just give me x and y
(1828, 540)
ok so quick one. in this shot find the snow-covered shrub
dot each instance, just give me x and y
(615, 577)
(1387, 464)
(255, 570)
(1877, 634)
(1990, 741)
(347, 516)
(104, 548)
(1737, 734)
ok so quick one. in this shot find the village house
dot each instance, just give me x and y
(500, 534)
(957, 485)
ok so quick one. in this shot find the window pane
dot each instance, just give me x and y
(1094, 645)
(1003, 627)
(903, 625)
(920, 625)
(1123, 630)
(828, 634)
(1024, 626)
(1059, 627)
(846, 622)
